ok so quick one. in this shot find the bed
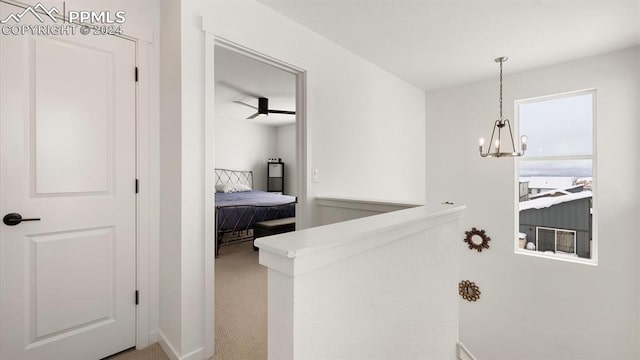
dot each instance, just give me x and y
(238, 212)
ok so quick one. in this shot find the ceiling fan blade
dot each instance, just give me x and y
(282, 112)
(253, 116)
(245, 104)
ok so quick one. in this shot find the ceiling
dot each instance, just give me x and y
(440, 43)
(240, 78)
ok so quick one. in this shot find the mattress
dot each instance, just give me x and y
(241, 210)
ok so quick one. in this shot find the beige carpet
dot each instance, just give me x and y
(153, 352)
(241, 304)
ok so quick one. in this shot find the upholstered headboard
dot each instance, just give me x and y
(226, 176)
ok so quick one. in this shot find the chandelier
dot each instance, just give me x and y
(497, 149)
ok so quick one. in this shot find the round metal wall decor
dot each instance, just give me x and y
(477, 239)
(469, 290)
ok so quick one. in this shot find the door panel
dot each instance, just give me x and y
(82, 263)
(73, 145)
(67, 156)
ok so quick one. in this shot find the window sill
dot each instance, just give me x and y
(532, 253)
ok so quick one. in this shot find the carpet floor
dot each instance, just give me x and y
(241, 304)
(153, 352)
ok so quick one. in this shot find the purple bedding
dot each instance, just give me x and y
(240, 211)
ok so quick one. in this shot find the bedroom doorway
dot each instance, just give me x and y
(259, 150)
(255, 147)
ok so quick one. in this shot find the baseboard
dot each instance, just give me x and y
(167, 347)
(194, 355)
(464, 353)
(173, 354)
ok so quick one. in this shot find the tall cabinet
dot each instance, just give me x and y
(275, 176)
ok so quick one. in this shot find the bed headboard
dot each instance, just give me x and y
(226, 176)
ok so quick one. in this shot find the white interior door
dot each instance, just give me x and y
(67, 142)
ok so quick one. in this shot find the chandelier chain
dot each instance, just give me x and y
(501, 90)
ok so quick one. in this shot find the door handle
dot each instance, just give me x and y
(14, 219)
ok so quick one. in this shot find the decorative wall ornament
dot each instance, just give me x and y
(477, 239)
(469, 290)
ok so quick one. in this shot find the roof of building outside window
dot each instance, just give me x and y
(551, 182)
(545, 202)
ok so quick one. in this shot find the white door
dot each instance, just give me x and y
(67, 157)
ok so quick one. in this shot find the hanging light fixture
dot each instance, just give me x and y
(494, 148)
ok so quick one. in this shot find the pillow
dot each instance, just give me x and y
(231, 188)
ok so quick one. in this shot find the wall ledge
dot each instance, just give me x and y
(299, 252)
(381, 206)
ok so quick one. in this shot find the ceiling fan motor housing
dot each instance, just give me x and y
(263, 106)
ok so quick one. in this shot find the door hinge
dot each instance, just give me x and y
(137, 297)
(137, 186)
(136, 74)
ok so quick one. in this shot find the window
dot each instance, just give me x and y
(561, 242)
(556, 178)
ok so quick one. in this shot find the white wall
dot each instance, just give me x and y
(534, 308)
(170, 178)
(404, 309)
(286, 149)
(243, 145)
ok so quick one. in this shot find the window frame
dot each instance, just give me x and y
(593, 157)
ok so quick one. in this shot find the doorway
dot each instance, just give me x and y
(237, 97)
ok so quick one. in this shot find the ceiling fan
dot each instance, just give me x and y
(263, 108)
